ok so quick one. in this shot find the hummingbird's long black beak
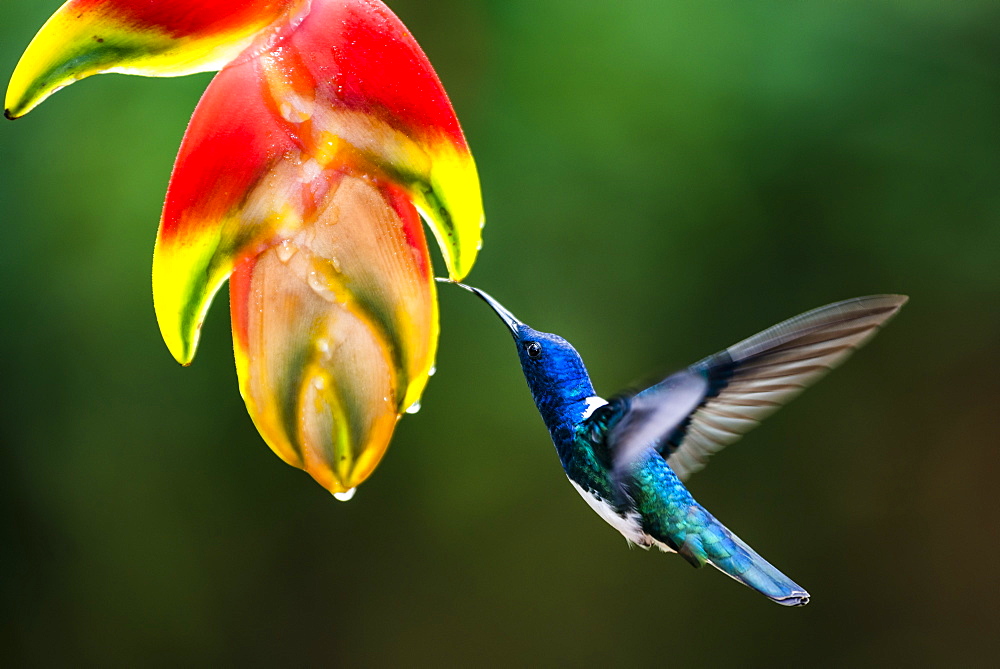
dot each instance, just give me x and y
(502, 312)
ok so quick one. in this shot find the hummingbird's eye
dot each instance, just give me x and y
(534, 349)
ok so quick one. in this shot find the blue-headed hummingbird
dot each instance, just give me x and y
(628, 456)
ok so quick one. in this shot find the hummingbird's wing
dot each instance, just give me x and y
(752, 379)
(650, 416)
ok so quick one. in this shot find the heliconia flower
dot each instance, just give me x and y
(303, 178)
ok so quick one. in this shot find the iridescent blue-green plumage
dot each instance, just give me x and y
(666, 515)
(627, 456)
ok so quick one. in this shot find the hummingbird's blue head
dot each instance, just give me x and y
(554, 371)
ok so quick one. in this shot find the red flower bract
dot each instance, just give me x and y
(303, 174)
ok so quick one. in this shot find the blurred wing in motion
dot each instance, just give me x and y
(649, 416)
(754, 378)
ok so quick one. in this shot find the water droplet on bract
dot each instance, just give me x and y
(432, 371)
(413, 408)
(345, 496)
(311, 170)
(320, 287)
(293, 107)
(323, 346)
(286, 250)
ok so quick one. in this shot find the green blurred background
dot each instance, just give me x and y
(661, 180)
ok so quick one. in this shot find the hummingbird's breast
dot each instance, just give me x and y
(627, 522)
(584, 458)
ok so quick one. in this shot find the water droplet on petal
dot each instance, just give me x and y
(311, 170)
(286, 250)
(323, 346)
(432, 371)
(345, 496)
(413, 408)
(293, 107)
(319, 383)
(320, 287)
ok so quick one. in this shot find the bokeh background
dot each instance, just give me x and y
(661, 180)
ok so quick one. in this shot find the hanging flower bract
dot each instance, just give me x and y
(303, 178)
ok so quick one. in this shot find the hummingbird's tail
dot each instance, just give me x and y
(714, 543)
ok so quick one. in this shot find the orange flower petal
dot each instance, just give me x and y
(335, 330)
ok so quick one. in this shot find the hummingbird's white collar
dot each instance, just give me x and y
(593, 404)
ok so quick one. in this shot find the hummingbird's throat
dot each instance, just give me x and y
(562, 411)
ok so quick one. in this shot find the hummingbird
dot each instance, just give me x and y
(628, 456)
